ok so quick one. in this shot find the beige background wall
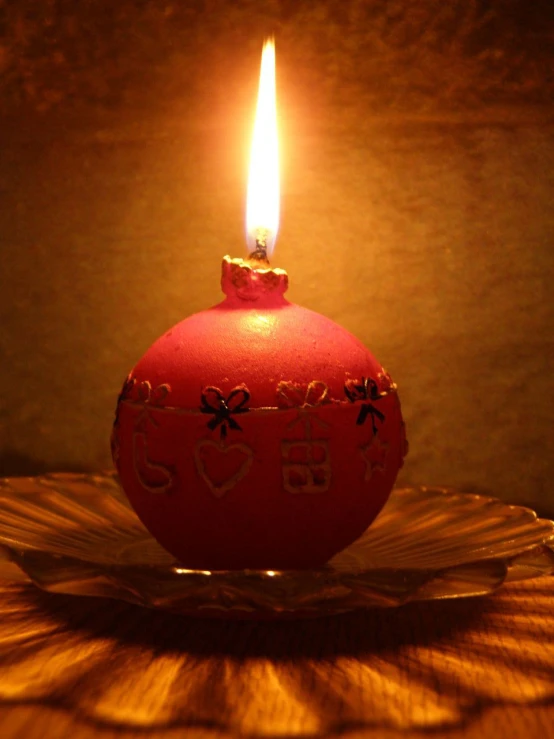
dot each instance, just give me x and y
(432, 242)
(418, 195)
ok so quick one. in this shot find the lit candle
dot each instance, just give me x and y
(258, 434)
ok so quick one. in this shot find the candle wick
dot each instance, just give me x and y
(260, 252)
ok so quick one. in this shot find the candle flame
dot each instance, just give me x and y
(262, 202)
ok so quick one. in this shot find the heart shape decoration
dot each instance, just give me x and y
(220, 466)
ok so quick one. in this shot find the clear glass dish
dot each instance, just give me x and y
(76, 534)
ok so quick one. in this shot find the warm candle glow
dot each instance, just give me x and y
(262, 204)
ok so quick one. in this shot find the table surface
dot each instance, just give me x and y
(85, 667)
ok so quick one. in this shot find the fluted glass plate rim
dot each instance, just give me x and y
(76, 534)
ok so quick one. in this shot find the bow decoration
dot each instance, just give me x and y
(223, 409)
(153, 395)
(293, 395)
(366, 390)
(150, 397)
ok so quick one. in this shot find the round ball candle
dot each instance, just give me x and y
(258, 434)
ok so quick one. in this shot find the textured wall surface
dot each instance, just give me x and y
(431, 241)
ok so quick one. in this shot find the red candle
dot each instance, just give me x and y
(258, 434)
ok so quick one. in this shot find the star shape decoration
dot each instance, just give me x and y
(374, 454)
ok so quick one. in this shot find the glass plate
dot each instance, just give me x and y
(77, 534)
